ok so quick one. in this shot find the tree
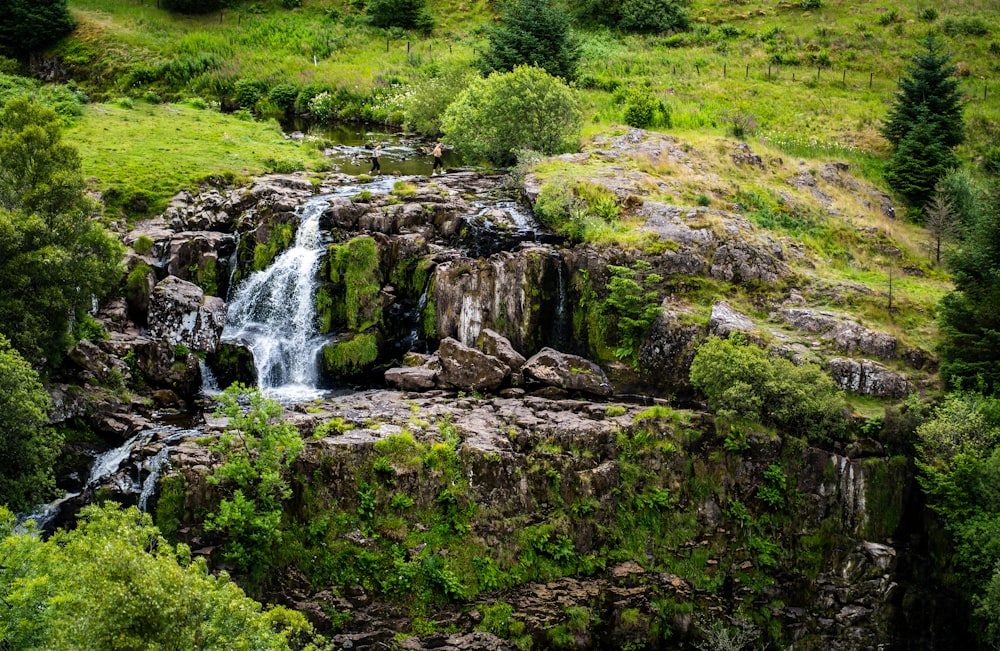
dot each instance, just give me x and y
(534, 33)
(969, 316)
(30, 25)
(27, 449)
(940, 221)
(115, 583)
(192, 6)
(959, 463)
(54, 259)
(397, 13)
(920, 160)
(527, 108)
(433, 91)
(928, 102)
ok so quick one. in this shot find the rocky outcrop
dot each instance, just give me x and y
(666, 353)
(846, 334)
(870, 378)
(468, 369)
(181, 314)
(726, 321)
(569, 372)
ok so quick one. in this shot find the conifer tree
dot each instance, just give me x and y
(534, 33)
(924, 124)
(30, 25)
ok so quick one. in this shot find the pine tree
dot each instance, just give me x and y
(921, 159)
(535, 33)
(928, 83)
(30, 25)
(969, 317)
(924, 124)
(940, 221)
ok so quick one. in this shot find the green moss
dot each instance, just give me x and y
(137, 287)
(355, 264)
(324, 310)
(885, 494)
(351, 357)
(429, 320)
(169, 512)
(280, 239)
(205, 275)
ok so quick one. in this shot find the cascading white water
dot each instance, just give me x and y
(273, 312)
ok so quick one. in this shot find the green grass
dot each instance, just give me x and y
(160, 149)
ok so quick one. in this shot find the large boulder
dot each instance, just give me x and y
(162, 368)
(468, 369)
(181, 314)
(202, 257)
(868, 378)
(496, 345)
(725, 320)
(412, 378)
(666, 353)
(554, 368)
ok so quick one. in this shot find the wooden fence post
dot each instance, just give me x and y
(723, 70)
(747, 76)
(871, 75)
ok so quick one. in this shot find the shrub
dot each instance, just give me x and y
(433, 91)
(640, 107)
(247, 92)
(524, 109)
(741, 382)
(965, 26)
(283, 96)
(653, 15)
(323, 107)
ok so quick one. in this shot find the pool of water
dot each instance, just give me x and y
(349, 148)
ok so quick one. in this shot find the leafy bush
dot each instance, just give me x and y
(257, 448)
(653, 16)
(323, 107)
(247, 92)
(283, 96)
(640, 107)
(436, 87)
(29, 450)
(527, 108)
(965, 26)
(630, 308)
(741, 382)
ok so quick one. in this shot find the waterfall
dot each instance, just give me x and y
(559, 336)
(273, 312)
(418, 315)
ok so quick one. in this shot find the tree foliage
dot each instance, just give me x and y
(924, 123)
(527, 108)
(650, 16)
(192, 6)
(743, 383)
(969, 316)
(432, 92)
(30, 25)
(258, 449)
(397, 13)
(533, 33)
(53, 258)
(27, 448)
(115, 583)
(959, 463)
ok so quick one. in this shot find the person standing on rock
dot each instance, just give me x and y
(376, 154)
(437, 160)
